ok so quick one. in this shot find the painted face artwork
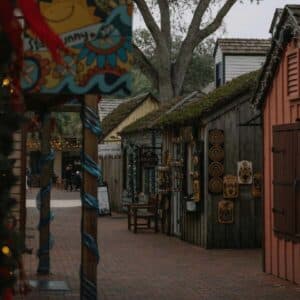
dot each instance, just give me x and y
(231, 187)
(245, 172)
(98, 34)
(225, 212)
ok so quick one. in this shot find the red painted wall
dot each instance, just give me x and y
(282, 258)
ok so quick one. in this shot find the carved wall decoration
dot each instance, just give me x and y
(226, 212)
(195, 160)
(167, 158)
(216, 169)
(164, 179)
(230, 187)
(216, 137)
(196, 190)
(245, 172)
(257, 185)
(216, 153)
(216, 156)
(215, 185)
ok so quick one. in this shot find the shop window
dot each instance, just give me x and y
(286, 181)
(293, 89)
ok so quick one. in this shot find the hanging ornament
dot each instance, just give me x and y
(6, 251)
(5, 82)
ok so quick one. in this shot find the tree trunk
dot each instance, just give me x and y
(164, 70)
(165, 88)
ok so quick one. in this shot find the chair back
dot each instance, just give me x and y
(153, 201)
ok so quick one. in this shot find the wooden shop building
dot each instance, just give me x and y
(143, 157)
(110, 147)
(213, 150)
(278, 98)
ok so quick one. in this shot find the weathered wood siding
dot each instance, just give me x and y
(282, 258)
(241, 143)
(192, 224)
(236, 65)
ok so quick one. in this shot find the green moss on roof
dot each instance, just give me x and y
(150, 119)
(239, 86)
(122, 112)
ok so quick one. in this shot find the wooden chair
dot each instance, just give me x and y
(140, 215)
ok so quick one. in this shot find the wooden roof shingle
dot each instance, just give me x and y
(119, 114)
(243, 46)
(152, 120)
(221, 96)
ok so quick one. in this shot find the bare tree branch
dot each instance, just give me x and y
(145, 65)
(165, 21)
(149, 21)
(216, 23)
(197, 18)
(195, 36)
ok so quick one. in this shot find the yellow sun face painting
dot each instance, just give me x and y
(99, 35)
(66, 15)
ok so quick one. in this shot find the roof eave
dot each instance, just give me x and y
(287, 29)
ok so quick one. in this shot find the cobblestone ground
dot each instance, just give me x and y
(151, 266)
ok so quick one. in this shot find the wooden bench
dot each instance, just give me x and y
(140, 215)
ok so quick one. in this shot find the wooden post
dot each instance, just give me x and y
(46, 174)
(89, 215)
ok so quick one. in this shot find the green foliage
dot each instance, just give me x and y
(199, 74)
(141, 84)
(68, 124)
(235, 88)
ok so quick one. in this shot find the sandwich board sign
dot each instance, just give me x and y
(103, 201)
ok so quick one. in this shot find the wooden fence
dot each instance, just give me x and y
(113, 175)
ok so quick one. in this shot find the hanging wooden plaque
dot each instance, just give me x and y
(245, 172)
(230, 187)
(226, 212)
(196, 190)
(216, 169)
(215, 185)
(216, 137)
(216, 153)
(257, 185)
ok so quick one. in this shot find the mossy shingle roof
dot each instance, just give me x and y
(148, 121)
(122, 112)
(219, 97)
(152, 120)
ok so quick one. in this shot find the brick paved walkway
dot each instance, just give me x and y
(152, 266)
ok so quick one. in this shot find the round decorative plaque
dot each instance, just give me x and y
(216, 153)
(216, 137)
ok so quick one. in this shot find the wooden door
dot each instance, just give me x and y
(286, 181)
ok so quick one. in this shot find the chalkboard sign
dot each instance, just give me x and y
(103, 201)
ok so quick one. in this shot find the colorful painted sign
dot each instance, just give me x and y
(99, 36)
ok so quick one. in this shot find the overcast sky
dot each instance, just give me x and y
(251, 20)
(246, 20)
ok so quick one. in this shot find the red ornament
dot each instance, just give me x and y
(41, 29)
